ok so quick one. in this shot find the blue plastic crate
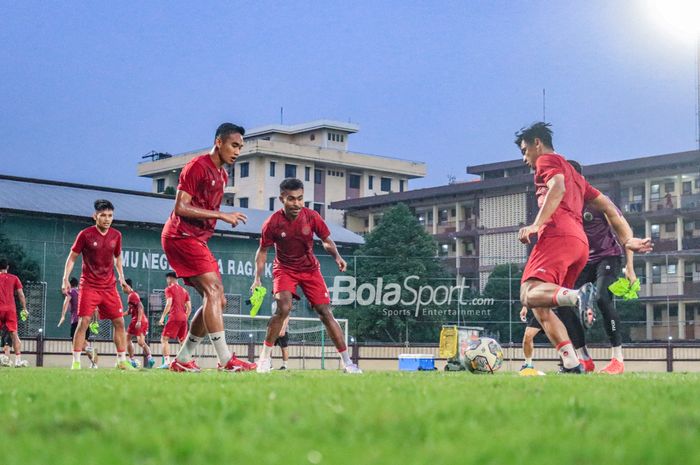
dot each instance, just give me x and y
(416, 362)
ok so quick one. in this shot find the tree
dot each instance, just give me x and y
(25, 268)
(398, 248)
(503, 286)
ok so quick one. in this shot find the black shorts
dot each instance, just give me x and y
(6, 339)
(283, 341)
(607, 269)
(73, 326)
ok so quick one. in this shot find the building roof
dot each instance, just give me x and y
(498, 165)
(348, 128)
(76, 200)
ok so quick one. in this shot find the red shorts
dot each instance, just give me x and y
(189, 257)
(175, 329)
(311, 282)
(557, 260)
(8, 320)
(133, 331)
(107, 302)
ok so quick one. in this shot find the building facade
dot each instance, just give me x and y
(315, 152)
(476, 223)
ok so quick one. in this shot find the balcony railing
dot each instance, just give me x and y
(668, 201)
(690, 201)
(691, 243)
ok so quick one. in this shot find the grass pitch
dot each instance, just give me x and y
(55, 416)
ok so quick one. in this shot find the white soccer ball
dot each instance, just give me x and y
(483, 355)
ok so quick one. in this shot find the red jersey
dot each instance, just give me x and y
(134, 302)
(205, 183)
(99, 252)
(180, 297)
(566, 219)
(9, 283)
(294, 240)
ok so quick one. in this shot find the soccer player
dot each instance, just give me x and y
(101, 248)
(71, 301)
(291, 230)
(138, 327)
(561, 251)
(177, 310)
(184, 240)
(10, 286)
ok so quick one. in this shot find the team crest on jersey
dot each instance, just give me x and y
(213, 182)
(306, 230)
(94, 244)
(283, 235)
(112, 244)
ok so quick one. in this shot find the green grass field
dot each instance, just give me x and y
(55, 416)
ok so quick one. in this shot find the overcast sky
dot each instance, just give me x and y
(87, 88)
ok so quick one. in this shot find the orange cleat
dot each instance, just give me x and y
(236, 364)
(180, 367)
(588, 365)
(615, 367)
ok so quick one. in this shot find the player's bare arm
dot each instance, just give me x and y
(260, 259)
(523, 314)
(22, 300)
(620, 226)
(66, 303)
(118, 263)
(166, 310)
(67, 270)
(188, 309)
(556, 187)
(139, 317)
(330, 247)
(184, 207)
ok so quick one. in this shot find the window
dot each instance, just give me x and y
(370, 182)
(697, 183)
(160, 185)
(243, 202)
(318, 207)
(306, 204)
(656, 274)
(655, 230)
(354, 181)
(669, 187)
(442, 216)
(307, 174)
(386, 184)
(655, 191)
(272, 203)
(444, 248)
(625, 193)
(671, 269)
(245, 167)
(290, 171)
(318, 176)
(401, 185)
(670, 227)
(687, 188)
(272, 169)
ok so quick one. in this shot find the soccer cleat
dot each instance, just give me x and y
(264, 365)
(577, 370)
(587, 304)
(588, 365)
(75, 366)
(164, 366)
(93, 366)
(150, 362)
(134, 363)
(21, 363)
(615, 367)
(236, 364)
(282, 367)
(5, 361)
(352, 368)
(124, 365)
(180, 367)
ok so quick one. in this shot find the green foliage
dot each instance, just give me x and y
(503, 286)
(397, 248)
(25, 268)
(170, 190)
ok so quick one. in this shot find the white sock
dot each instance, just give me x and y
(346, 357)
(121, 356)
(76, 356)
(566, 297)
(284, 363)
(218, 340)
(266, 351)
(18, 357)
(187, 350)
(528, 361)
(583, 354)
(567, 354)
(617, 353)
(166, 359)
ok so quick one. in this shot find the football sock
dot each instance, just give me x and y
(18, 357)
(528, 361)
(76, 356)
(266, 351)
(166, 359)
(566, 297)
(346, 357)
(617, 353)
(567, 354)
(187, 350)
(583, 353)
(284, 363)
(121, 356)
(218, 340)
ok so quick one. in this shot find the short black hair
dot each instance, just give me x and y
(3, 264)
(576, 165)
(128, 281)
(103, 204)
(73, 281)
(171, 274)
(226, 129)
(539, 130)
(291, 184)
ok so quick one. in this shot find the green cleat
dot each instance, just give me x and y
(124, 365)
(75, 366)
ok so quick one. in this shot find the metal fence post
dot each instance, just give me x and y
(355, 356)
(669, 357)
(40, 349)
(251, 350)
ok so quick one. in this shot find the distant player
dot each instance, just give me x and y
(291, 230)
(177, 311)
(561, 251)
(10, 286)
(71, 301)
(137, 328)
(184, 240)
(101, 248)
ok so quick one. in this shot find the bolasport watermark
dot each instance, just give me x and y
(419, 299)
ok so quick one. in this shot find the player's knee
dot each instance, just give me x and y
(324, 312)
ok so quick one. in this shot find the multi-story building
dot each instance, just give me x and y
(315, 152)
(475, 224)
